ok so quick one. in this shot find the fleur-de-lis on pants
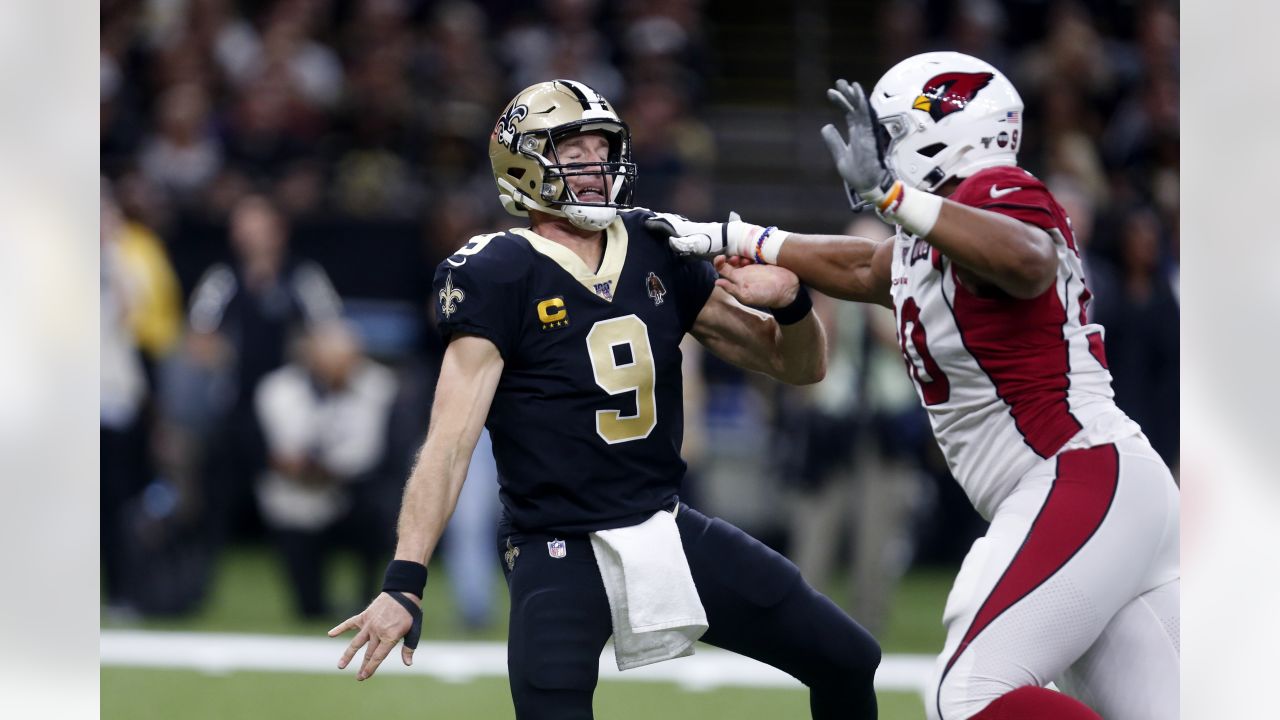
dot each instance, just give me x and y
(450, 296)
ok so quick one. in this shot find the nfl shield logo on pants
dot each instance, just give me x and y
(556, 549)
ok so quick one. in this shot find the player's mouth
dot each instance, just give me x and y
(590, 193)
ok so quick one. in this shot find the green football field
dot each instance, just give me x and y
(249, 596)
(165, 694)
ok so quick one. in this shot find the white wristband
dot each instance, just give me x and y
(752, 241)
(915, 210)
(769, 244)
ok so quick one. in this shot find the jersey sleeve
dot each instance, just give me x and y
(1009, 191)
(476, 295)
(695, 279)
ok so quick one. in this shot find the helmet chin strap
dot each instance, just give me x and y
(589, 217)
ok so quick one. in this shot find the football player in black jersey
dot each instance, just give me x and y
(563, 338)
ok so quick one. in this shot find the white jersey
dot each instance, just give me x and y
(1007, 382)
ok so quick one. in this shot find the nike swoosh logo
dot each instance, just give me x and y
(998, 193)
(457, 264)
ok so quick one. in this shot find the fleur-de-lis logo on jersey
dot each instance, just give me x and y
(450, 296)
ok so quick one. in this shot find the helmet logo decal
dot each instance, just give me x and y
(949, 92)
(505, 130)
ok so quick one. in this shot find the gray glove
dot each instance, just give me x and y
(859, 160)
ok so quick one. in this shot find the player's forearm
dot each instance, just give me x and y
(838, 266)
(469, 376)
(430, 496)
(1010, 254)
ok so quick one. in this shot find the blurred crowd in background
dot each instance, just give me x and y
(280, 178)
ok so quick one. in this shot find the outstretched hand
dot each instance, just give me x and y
(704, 239)
(380, 626)
(757, 285)
(858, 160)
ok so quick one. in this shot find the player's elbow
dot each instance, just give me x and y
(817, 371)
(802, 371)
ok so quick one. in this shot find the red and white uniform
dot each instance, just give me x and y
(1007, 382)
(1076, 580)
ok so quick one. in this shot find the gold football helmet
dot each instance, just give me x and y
(527, 168)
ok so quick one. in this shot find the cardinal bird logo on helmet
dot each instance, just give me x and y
(950, 92)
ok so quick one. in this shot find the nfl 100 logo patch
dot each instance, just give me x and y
(556, 548)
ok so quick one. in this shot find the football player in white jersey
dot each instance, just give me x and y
(1076, 581)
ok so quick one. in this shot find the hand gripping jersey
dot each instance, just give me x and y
(1007, 382)
(587, 418)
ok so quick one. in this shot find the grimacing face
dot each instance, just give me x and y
(588, 147)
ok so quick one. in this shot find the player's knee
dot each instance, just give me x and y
(862, 652)
(847, 653)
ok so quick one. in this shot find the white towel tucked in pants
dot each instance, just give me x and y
(656, 611)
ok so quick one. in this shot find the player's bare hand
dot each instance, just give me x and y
(379, 627)
(757, 285)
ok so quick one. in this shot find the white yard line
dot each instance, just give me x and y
(453, 661)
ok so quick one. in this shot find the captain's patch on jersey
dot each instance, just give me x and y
(450, 296)
(552, 313)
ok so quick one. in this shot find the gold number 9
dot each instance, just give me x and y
(637, 376)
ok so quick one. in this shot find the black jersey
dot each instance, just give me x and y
(587, 418)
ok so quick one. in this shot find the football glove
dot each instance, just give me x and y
(705, 239)
(859, 161)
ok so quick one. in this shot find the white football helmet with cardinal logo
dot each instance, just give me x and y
(943, 115)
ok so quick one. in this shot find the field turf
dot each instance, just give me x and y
(249, 596)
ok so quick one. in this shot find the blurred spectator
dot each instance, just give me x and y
(231, 38)
(668, 144)
(459, 76)
(566, 45)
(977, 29)
(253, 306)
(325, 422)
(288, 44)
(155, 306)
(1141, 319)
(184, 155)
(666, 40)
(270, 125)
(901, 32)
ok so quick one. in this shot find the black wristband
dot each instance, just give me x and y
(405, 576)
(796, 311)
